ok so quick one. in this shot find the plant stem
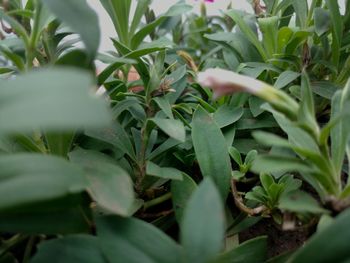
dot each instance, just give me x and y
(157, 201)
(13, 241)
(241, 206)
(28, 249)
(34, 36)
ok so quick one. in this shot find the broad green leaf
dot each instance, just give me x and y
(119, 12)
(235, 155)
(181, 192)
(16, 59)
(266, 181)
(108, 184)
(116, 135)
(322, 20)
(270, 139)
(203, 224)
(307, 108)
(76, 58)
(300, 202)
(325, 89)
(320, 249)
(173, 128)
(41, 195)
(52, 99)
(253, 250)
(163, 172)
(59, 143)
(65, 216)
(283, 37)
(81, 18)
(161, 149)
(211, 150)
(38, 178)
(301, 11)
(271, 163)
(132, 240)
(337, 29)
(70, 249)
(252, 37)
(338, 136)
(140, 11)
(165, 106)
(298, 38)
(268, 27)
(286, 78)
(226, 115)
(297, 136)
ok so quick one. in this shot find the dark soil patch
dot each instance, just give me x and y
(278, 241)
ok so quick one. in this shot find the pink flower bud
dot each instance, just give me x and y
(224, 82)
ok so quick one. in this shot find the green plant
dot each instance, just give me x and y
(153, 169)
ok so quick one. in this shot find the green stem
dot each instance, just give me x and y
(34, 36)
(28, 249)
(10, 243)
(157, 201)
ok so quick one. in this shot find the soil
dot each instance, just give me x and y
(278, 241)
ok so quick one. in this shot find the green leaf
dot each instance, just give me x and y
(81, 18)
(274, 163)
(165, 106)
(320, 249)
(108, 184)
(66, 216)
(270, 139)
(227, 115)
(301, 11)
(235, 155)
(300, 202)
(39, 100)
(181, 192)
(268, 27)
(112, 67)
(338, 135)
(119, 12)
(163, 172)
(140, 11)
(253, 250)
(307, 109)
(322, 20)
(211, 150)
(70, 249)
(337, 30)
(202, 232)
(266, 181)
(59, 143)
(165, 146)
(174, 128)
(41, 195)
(16, 26)
(116, 135)
(248, 32)
(134, 241)
(286, 78)
(38, 178)
(16, 59)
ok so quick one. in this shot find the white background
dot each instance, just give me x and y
(159, 6)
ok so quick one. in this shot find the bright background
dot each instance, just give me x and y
(159, 6)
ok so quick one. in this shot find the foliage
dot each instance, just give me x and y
(206, 125)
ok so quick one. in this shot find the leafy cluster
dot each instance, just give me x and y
(157, 168)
